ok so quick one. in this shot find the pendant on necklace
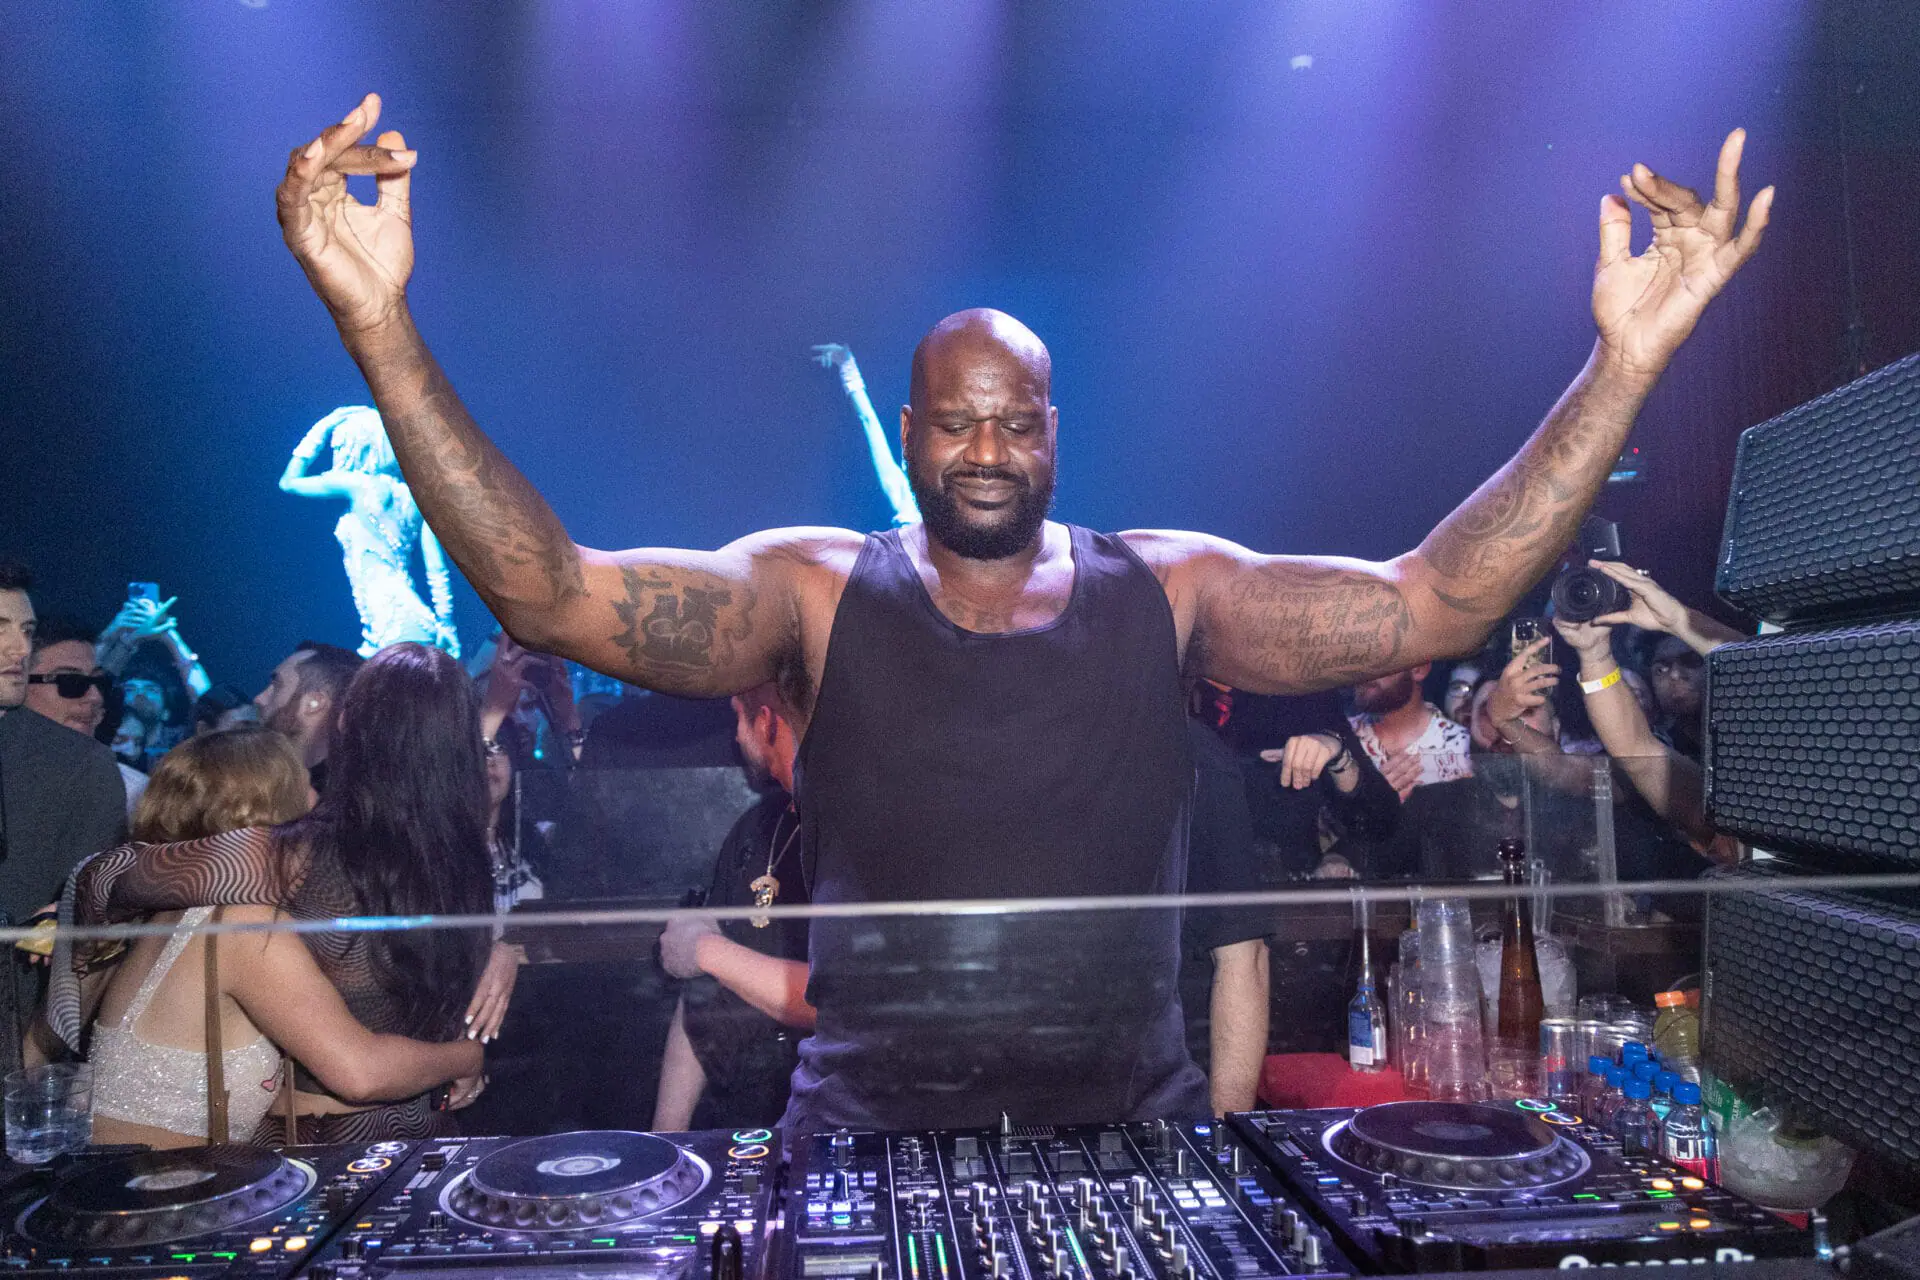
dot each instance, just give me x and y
(765, 889)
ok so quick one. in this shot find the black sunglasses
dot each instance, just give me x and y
(72, 684)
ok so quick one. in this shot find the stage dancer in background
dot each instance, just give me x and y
(378, 532)
(893, 477)
(953, 680)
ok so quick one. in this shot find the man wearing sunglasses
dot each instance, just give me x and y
(61, 797)
(67, 685)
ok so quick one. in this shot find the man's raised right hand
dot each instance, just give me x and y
(358, 257)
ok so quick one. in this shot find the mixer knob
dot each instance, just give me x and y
(1179, 1263)
(1180, 1162)
(999, 1265)
(1238, 1161)
(1083, 1192)
(436, 1221)
(1163, 1136)
(840, 1147)
(1062, 1263)
(353, 1249)
(1310, 1252)
(843, 1186)
(1122, 1267)
(1137, 1189)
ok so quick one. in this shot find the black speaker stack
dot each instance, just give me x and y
(1812, 754)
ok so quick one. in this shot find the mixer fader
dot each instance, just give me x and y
(1122, 1202)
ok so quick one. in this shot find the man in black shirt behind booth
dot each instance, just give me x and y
(953, 680)
(734, 1038)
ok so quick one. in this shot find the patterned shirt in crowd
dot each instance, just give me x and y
(1444, 746)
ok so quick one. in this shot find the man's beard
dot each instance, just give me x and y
(285, 721)
(1380, 699)
(1018, 526)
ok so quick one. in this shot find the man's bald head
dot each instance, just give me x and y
(968, 340)
(978, 434)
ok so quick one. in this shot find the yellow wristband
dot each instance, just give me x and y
(1606, 681)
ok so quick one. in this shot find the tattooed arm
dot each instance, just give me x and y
(1283, 624)
(685, 622)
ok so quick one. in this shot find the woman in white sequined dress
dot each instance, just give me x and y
(378, 531)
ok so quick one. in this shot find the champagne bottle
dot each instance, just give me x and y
(1521, 1002)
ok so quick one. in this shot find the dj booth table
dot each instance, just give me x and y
(1394, 1189)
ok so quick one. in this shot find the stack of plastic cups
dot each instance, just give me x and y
(1455, 1051)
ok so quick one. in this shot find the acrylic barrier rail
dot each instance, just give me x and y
(950, 1013)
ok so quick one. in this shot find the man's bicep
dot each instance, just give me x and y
(693, 623)
(1294, 624)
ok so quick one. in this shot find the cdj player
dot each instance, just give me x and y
(605, 1203)
(198, 1212)
(1435, 1186)
(1121, 1202)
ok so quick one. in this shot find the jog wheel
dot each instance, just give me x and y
(563, 1181)
(158, 1196)
(1457, 1145)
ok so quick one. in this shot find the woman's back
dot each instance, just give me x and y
(149, 1046)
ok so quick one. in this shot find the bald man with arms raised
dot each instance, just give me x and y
(989, 701)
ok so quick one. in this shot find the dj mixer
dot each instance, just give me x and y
(1153, 1201)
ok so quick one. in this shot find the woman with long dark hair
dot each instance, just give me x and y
(401, 831)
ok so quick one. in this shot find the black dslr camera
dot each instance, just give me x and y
(1581, 593)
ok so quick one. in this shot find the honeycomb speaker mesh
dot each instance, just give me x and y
(1824, 517)
(1813, 742)
(1816, 998)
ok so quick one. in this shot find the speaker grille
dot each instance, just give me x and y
(1813, 741)
(1816, 997)
(1824, 518)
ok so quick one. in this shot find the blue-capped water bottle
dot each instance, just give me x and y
(1686, 1135)
(1634, 1123)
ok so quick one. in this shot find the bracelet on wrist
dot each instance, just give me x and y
(1606, 681)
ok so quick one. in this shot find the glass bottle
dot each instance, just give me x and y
(1522, 1004)
(1366, 1013)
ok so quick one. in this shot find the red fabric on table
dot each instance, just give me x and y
(1302, 1080)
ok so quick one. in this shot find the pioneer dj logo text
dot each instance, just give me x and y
(1574, 1261)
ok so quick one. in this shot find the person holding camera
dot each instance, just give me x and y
(1666, 779)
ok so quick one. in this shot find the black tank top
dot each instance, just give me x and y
(941, 763)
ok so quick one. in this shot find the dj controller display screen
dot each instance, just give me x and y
(1398, 1188)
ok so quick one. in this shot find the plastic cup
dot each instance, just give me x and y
(49, 1111)
(1512, 1072)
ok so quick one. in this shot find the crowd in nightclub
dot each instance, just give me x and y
(351, 786)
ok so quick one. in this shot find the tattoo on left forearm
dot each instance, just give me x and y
(1498, 542)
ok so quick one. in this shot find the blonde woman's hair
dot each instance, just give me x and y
(243, 777)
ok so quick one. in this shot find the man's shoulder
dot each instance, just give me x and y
(803, 547)
(31, 734)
